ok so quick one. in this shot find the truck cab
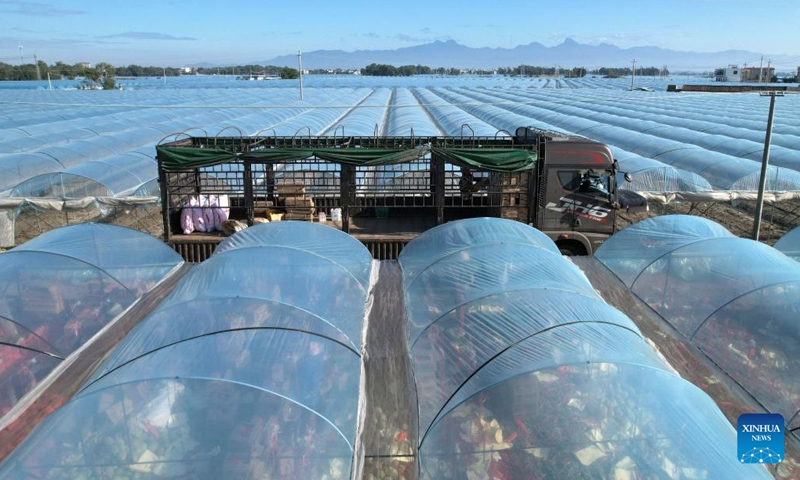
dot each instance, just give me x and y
(578, 198)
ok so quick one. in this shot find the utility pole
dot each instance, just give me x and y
(768, 79)
(38, 72)
(760, 68)
(762, 182)
(633, 73)
(300, 68)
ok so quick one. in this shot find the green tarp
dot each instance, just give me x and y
(500, 160)
(179, 158)
(492, 159)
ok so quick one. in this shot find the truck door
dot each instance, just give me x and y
(593, 208)
(578, 199)
(557, 214)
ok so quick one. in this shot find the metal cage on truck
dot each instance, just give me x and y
(388, 189)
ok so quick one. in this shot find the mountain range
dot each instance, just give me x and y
(451, 54)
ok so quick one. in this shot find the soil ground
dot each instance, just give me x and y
(777, 219)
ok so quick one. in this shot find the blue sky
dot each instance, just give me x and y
(181, 32)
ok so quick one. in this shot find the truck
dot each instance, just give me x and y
(386, 190)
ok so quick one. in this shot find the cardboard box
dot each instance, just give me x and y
(290, 190)
(299, 202)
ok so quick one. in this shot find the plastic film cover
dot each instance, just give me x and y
(133, 258)
(481, 271)
(327, 242)
(628, 252)
(181, 427)
(586, 421)
(443, 240)
(455, 348)
(208, 316)
(690, 283)
(789, 243)
(756, 340)
(294, 277)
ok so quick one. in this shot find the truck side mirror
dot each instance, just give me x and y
(628, 177)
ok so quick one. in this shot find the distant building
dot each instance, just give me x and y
(757, 74)
(797, 78)
(731, 73)
(85, 65)
(734, 74)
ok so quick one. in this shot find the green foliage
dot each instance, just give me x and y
(105, 69)
(289, 73)
(577, 72)
(91, 74)
(528, 71)
(104, 74)
(625, 72)
(381, 70)
(139, 71)
(18, 72)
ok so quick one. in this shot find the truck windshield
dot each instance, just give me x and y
(596, 182)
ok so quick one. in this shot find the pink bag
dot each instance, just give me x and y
(187, 224)
(208, 211)
(220, 211)
(197, 217)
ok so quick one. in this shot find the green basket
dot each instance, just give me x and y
(381, 212)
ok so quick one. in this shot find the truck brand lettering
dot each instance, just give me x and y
(589, 211)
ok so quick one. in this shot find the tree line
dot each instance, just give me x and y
(61, 70)
(101, 74)
(248, 70)
(624, 72)
(104, 74)
(376, 69)
(381, 70)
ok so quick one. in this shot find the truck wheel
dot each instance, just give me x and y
(571, 249)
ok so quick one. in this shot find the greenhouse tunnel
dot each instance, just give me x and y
(789, 244)
(16, 168)
(649, 175)
(736, 299)
(59, 289)
(112, 176)
(719, 169)
(523, 371)
(249, 369)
